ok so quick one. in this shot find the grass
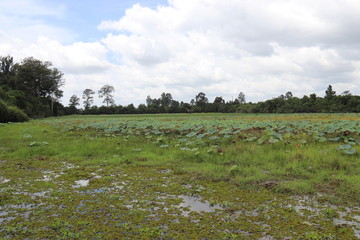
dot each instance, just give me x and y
(129, 169)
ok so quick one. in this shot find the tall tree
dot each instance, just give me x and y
(105, 92)
(329, 93)
(149, 101)
(288, 95)
(74, 101)
(219, 100)
(38, 78)
(201, 99)
(34, 86)
(166, 99)
(346, 93)
(241, 98)
(88, 98)
(6, 69)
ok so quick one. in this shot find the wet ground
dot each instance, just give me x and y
(104, 201)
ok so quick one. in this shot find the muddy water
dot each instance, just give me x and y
(196, 204)
(151, 203)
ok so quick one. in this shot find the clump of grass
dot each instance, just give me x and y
(296, 187)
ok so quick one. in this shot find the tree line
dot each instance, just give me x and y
(285, 103)
(31, 88)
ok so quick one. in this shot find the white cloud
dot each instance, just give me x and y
(259, 47)
(27, 19)
(262, 48)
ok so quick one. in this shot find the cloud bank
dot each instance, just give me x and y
(262, 48)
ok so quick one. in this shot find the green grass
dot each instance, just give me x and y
(151, 156)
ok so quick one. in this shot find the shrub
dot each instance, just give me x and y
(11, 113)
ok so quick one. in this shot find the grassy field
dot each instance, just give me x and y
(181, 176)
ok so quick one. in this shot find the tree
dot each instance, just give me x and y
(38, 78)
(219, 100)
(329, 93)
(201, 99)
(6, 69)
(346, 93)
(149, 101)
(141, 108)
(166, 99)
(74, 101)
(88, 98)
(217, 106)
(241, 98)
(288, 95)
(105, 92)
(34, 86)
(281, 97)
(313, 97)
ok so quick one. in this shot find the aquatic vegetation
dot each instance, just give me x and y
(181, 176)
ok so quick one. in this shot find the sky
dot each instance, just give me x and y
(220, 47)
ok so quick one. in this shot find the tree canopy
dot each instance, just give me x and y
(31, 85)
(105, 92)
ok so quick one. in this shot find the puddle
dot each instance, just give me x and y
(315, 208)
(10, 212)
(38, 194)
(165, 171)
(118, 186)
(354, 225)
(19, 206)
(68, 165)
(47, 176)
(96, 191)
(5, 219)
(4, 180)
(197, 205)
(95, 175)
(81, 183)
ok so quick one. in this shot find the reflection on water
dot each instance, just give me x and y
(197, 205)
(81, 183)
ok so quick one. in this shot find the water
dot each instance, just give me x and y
(197, 205)
(81, 183)
(310, 204)
(4, 180)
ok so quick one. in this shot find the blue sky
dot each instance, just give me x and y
(83, 17)
(259, 47)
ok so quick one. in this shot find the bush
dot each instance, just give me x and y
(11, 113)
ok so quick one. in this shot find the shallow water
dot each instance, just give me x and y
(156, 199)
(81, 183)
(314, 208)
(4, 180)
(196, 204)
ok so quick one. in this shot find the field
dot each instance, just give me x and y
(181, 176)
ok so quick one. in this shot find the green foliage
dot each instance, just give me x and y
(37, 78)
(32, 85)
(11, 113)
(137, 167)
(298, 186)
(88, 98)
(105, 92)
